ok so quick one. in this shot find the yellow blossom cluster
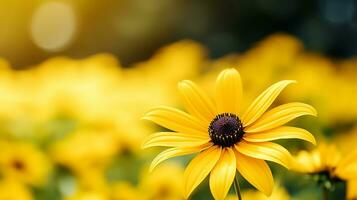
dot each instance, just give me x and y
(70, 128)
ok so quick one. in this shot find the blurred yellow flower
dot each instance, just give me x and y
(88, 83)
(92, 179)
(278, 193)
(89, 195)
(281, 56)
(13, 190)
(15, 98)
(326, 158)
(85, 114)
(165, 183)
(173, 62)
(223, 138)
(85, 149)
(352, 190)
(318, 78)
(125, 191)
(346, 140)
(24, 162)
(271, 58)
(141, 87)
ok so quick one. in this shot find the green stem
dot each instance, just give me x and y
(325, 193)
(237, 188)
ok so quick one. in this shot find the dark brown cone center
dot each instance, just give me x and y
(226, 129)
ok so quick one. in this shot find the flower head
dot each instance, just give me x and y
(24, 163)
(12, 189)
(163, 183)
(327, 160)
(226, 139)
(329, 167)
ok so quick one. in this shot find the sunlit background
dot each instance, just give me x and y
(76, 76)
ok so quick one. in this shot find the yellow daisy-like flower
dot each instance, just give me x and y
(225, 139)
(327, 159)
(11, 189)
(327, 162)
(24, 163)
(165, 183)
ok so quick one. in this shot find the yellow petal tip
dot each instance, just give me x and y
(185, 194)
(180, 84)
(267, 191)
(313, 141)
(313, 111)
(144, 145)
(145, 117)
(152, 167)
(183, 82)
(268, 194)
(229, 70)
(288, 166)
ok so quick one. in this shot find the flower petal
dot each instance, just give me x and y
(265, 151)
(280, 115)
(352, 189)
(263, 102)
(283, 132)
(256, 172)
(347, 167)
(173, 152)
(196, 101)
(199, 168)
(173, 139)
(176, 120)
(223, 174)
(229, 91)
(307, 162)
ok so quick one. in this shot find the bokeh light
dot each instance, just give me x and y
(53, 26)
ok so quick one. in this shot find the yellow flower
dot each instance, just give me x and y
(346, 140)
(88, 195)
(24, 163)
(173, 62)
(165, 183)
(326, 159)
(60, 79)
(352, 190)
(226, 139)
(92, 179)
(125, 191)
(13, 190)
(85, 149)
(282, 57)
(278, 193)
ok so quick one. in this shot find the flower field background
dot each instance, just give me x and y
(75, 131)
(71, 128)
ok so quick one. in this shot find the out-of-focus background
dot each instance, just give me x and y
(34, 30)
(76, 76)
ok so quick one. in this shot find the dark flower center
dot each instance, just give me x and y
(226, 129)
(18, 165)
